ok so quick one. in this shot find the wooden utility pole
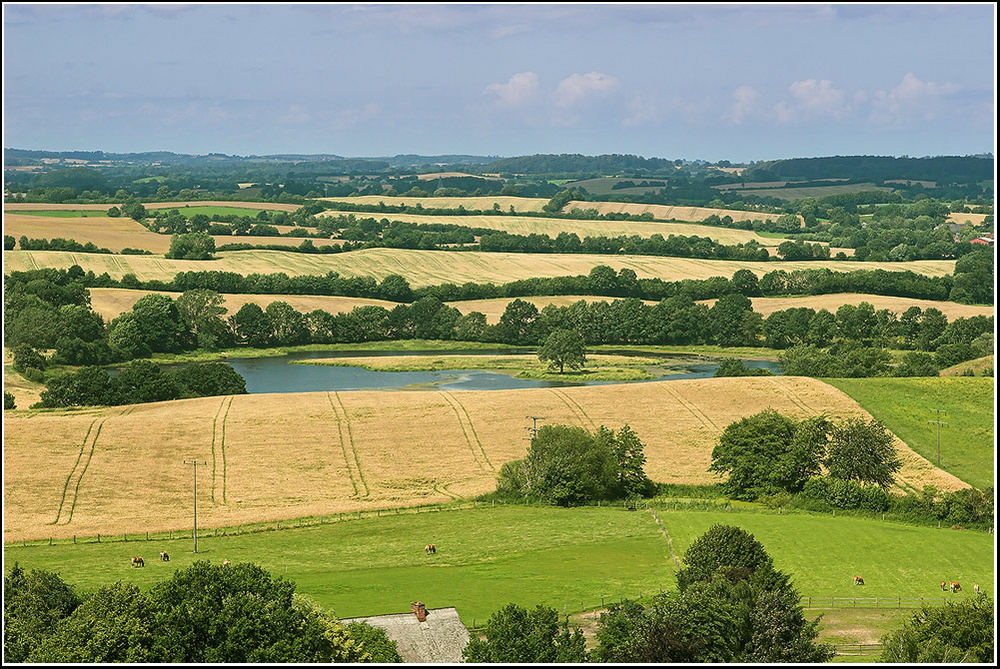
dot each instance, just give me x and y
(533, 430)
(939, 424)
(195, 463)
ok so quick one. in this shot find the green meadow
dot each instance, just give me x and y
(906, 405)
(570, 558)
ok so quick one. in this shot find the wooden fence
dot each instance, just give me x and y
(858, 649)
(871, 602)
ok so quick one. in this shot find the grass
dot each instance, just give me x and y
(905, 406)
(824, 553)
(483, 203)
(523, 225)
(291, 455)
(488, 557)
(422, 268)
(811, 191)
(598, 367)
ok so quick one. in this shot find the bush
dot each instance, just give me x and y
(8, 401)
(191, 246)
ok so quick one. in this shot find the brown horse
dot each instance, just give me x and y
(858, 580)
(138, 562)
(430, 548)
(164, 557)
(955, 587)
(225, 563)
(944, 586)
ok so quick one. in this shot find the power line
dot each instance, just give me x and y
(195, 463)
(939, 423)
(533, 430)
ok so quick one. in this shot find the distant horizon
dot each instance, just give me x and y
(979, 154)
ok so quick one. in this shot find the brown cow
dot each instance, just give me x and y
(164, 557)
(430, 548)
(138, 562)
(858, 580)
(955, 587)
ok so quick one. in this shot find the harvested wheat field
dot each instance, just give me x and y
(422, 268)
(953, 310)
(41, 206)
(270, 457)
(472, 203)
(120, 233)
(523, 225)
(668, 213)
(974, 219)
(110, 302)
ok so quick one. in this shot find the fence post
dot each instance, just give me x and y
(74, 538)
(899, 602)
(147, 535)
(602, 601)
(98, 537)
(50, 541)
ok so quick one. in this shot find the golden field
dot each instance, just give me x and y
(270, 457)
(422, 268)
(472, 203)
(975, 219)
(831, 302)
(119, 233)
(110, 302)
(666, 212)
(523, 225)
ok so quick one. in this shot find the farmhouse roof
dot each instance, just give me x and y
(440, 638)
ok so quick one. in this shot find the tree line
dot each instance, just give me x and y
(237, 613)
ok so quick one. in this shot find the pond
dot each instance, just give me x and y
(279, 375)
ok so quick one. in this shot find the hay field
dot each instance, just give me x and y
(953, 310)
(665, 212)
(523, 225)
(120, 469)
(975, 219)
(422, 268)
(119, 233)
(270, 206)
(110, 302)
(480, 203)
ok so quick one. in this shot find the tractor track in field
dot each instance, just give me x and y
(698, 414)
(461, 411)
(86, 464)
(570, 402)
(343, 445)
(69, 477)
(342, 416)
(793, 396)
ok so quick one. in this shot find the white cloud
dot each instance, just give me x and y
(642, 111)
(811, 98)
(519, 89)
(745, 99)
(578, 87)
(912, 98)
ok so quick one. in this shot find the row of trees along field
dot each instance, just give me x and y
(817, 464)
(971, 283)
(204, 613)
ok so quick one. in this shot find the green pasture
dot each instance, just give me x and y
(569, 558)
(823, 553)
(485, 558)
(65, 213)
(905, 406)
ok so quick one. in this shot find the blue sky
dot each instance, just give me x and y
(715, 82)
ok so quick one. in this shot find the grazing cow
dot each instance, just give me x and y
(858, 580)
(164, 557)
(137, 562)
(944, 586)
(955, 587)
(430, 548)
(975, 588)
(225, 563)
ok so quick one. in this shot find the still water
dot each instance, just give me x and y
(279, 375)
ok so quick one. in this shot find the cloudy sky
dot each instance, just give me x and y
(676, 81)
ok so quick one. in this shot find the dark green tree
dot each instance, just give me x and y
(252, 326)
(33, 604)
(956, 632)
(191, 246)
(862, 451)
(202, 310)
(514, 634)
(563, 348)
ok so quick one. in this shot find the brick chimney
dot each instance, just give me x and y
(419, 610)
